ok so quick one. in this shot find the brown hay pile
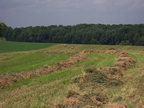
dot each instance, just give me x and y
(88, 51)
(98, 51)
(122, 64)
(75, 100)
(115, 72)
(127, 59)
(124, 61)
(122, 54)
(111, 51)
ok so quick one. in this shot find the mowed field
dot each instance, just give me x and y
(48, 90)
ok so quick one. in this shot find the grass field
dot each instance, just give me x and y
(6, 46)
(47, 90)
(28, 62)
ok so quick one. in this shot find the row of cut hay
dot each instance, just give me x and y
(8, 79)
(91, 100)
(48, 52)
(98, 78)
(93, 51)
(123, 61)
(76, 100)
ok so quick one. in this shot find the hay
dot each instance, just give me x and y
(111, 51)
(122, 64)
(127, 59)
(114, 105)
(92, 51)
(75, 100)
(8, 79)
(89, 106)
(48, 52)
(109, 76)
(98, 78)
(92, 77)
(122, 54)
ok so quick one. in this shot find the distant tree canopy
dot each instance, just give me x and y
(127, 34)
(3, 26)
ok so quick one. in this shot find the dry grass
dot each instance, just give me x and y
(132, 91)
(49, 93)
(34, 95)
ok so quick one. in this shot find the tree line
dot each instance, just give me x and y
(3, 27)
(127, 34)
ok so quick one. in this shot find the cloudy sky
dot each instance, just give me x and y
(24, 13)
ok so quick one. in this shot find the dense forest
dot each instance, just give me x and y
(126, 34)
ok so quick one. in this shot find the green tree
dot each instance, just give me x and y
(140, 41)
(2, 27)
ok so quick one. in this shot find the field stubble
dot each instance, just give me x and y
(48, 90)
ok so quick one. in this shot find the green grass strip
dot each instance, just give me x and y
(28, 62)
(6, 46)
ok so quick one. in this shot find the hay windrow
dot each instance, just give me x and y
(76, 100)
(91, 77)
(108, 76)
(8, 79)
(100, 78)
(48, 52)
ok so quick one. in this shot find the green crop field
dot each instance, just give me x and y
(6, 46)
(46, 91)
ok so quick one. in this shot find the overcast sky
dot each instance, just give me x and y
(24, 13)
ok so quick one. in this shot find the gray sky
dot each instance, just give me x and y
(24, 13)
